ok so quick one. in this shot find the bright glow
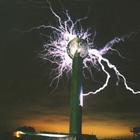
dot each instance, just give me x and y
(52, 135)
(55, 50)
(81, 97)
(18, 134)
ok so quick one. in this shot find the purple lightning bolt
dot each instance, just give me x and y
(55, 50)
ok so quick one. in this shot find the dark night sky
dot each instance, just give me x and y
(25, 98)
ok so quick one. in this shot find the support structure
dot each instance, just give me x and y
(76, 87)
(77, 49)
(136, 132)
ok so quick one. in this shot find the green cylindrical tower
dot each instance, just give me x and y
(77, 50)
(76, 87)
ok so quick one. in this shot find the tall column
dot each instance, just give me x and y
(76, 87)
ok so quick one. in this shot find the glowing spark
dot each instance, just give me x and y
(57, 135)
(55, 50)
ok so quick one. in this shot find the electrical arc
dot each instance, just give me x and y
(55, 50)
